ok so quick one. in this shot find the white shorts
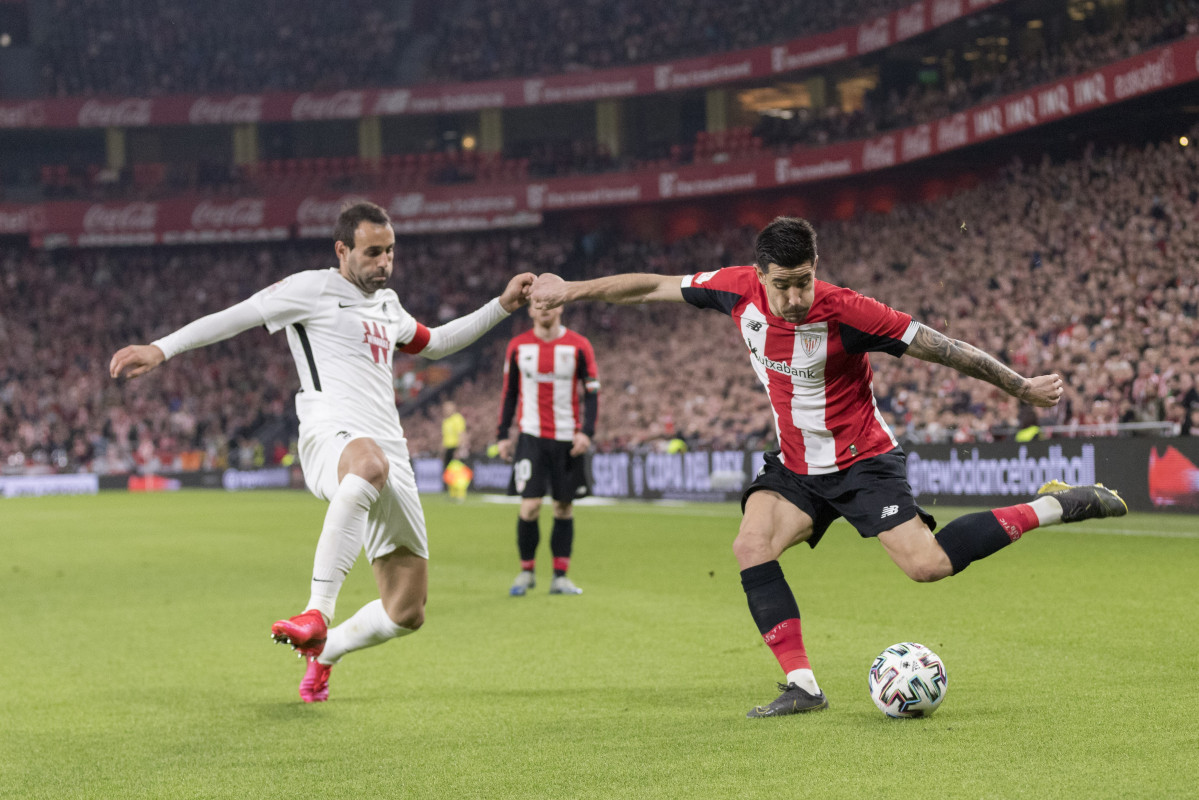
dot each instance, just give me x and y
(396, 519)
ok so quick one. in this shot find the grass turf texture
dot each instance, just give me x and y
(138, 662)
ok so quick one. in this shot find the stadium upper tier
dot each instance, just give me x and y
(546, 163)
(461, 190)
(152, 47)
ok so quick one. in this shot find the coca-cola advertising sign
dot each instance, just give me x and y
(879, 154)
(21, 219)
(909, 22)
(247, 213)
(342, 105)
(874, 35)
(129, 218)
(129, 113)
(315, 211)
(946, 11)
(22, 115)
(240, 109)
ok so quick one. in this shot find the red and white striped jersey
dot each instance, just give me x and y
(817, 373)
(541, 386)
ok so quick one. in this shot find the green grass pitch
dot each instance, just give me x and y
(137, 662)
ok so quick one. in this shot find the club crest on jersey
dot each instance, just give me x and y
(376, 337)
(810, 342)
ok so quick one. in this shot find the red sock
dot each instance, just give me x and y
(1017, 520)
(561, 564)
(527, 566)
(785, 640)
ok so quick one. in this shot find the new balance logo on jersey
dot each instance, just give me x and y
(753, 325)
(376, 337)
(889, 511)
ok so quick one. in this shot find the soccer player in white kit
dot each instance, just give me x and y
(342, 325)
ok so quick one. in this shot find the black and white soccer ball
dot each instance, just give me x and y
(907, 680)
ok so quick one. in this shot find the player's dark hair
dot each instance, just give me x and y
(787, 241)
(354, 215)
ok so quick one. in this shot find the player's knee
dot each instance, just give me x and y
(410, 618)
(753, 546)
(929, 569)
(369, 462)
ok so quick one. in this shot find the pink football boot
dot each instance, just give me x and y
(314, 688)
(305, 632)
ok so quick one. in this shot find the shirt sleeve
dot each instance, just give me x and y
(511, 392)
(456, 334)
(588, 373)
(718, 289)
(412, 335)
(290, 300)
(868, 326)
(211, 328)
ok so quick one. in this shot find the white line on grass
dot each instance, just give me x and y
(1135, 532)
(677, 508)
(688, 508)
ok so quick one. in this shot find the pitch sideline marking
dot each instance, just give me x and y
(688, 509)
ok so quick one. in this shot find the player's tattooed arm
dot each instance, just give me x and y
(932, 345)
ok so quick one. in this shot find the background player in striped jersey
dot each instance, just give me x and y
(808, 342)
(543, 371)
(342, 324)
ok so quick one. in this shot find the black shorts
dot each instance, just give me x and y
(873, 494)
(546, 464)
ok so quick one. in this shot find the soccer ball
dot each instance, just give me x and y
(907, 680)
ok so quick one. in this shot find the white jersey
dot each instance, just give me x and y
(342, 342)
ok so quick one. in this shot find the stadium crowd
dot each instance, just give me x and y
(966, 81)
(150, 47)
(505, 38)
(962, 82)
(154, 47)
(1085, 268)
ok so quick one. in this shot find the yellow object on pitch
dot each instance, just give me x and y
(457, 477)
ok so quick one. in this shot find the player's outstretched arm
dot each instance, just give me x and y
(456, 334)
(550, 291)
(134, 360)
(516, 293)
(138, 359)
(931, 345)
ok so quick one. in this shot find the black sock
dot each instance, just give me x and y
(770, 598)
(969, 538)
(528, 536)
(562, 539)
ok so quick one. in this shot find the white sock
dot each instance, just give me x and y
(1047, 509)
(804, 679)
(369, 626)
(340, 541)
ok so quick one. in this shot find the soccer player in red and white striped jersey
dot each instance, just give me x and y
(808, 342)
(544, 370)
